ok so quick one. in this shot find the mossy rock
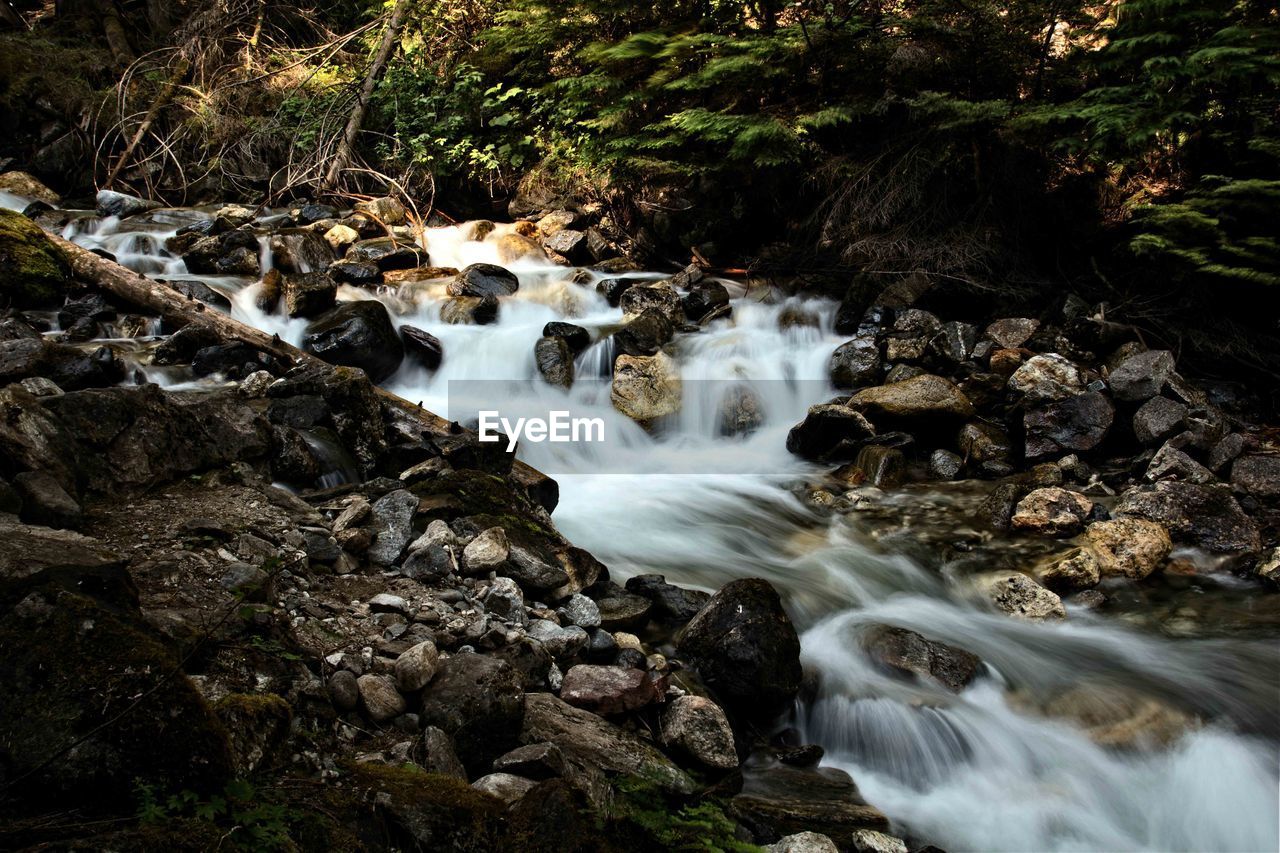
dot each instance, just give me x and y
(427, 811)
(33, 271)
(257, 727)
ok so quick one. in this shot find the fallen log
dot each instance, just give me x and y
(177, 310)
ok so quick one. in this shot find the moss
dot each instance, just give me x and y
(429, 811)
(257, 726)
(33, 271)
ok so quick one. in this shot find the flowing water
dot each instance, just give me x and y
(982, 770)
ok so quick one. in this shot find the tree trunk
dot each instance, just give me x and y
(347, 145)
(11, 17)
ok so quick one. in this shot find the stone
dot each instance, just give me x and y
(46, 502)
(340, 237)
(385, 602)
(308, 294)
(1131, 547)
(416, 666)
(645, 335)
(560, 642)
(803, 842)
(1076, 571)
(516, 246)
(855, 363)
(582, 611)
(1141, 376)
(506, 787)
(671, 604)
(1051, 511)
(300, 250)
(1204, 515)
(623, 611)
(1268, 566)
(1170, 463)
(1257, 476)
(871, 841)
(944, 465)
(505, 600)
(781, 800)
(661, 297)
(533, 573)
(440, 756)
(554, 360)
(1046, 378)
(1012, 332)
(344, 691)
(697, 727)
(422, 348)
(1074, 424)
(385, 210)
(469, 310)
(34, 273)
(575, 336)
(123, 205)
(537, 761)
(1020, 596)
(704, 299)
(885, 467)
(1158, 419)
(923, 397)
(387, 253)
(484, 280)
(28, 186)
(1226, 450)
(608, 690)
(201, 292)
(745, 648)
(357, 273)
(905, 652)
(357, 334)
(646, 388)
(830, 432)
(985, 446)
(477, 700)
(487, 552)
(380, 698)
(568, 243)
(392, 525)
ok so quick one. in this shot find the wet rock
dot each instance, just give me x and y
(830, 432)
(1020, 596)
(308, 294)
(1005, 362)
(387, 253)
(506, 787)
(645, 335)
(416, 666)
(944, 465)
(1203, 515)
(1046, 378)
(230, 253)
(1226, 450)
(1170, 463)
(469, 310)
(234, 360)
(1131, 547)
(1051, 512)
(123, 205)
(357, 334)
(554, 360)
(1012, 332)
(568, 243)
(1257, 476)
(986, 447)
(646, 388)
(358, 273)
(908, 653)
(1075, 424)
(780, 800)
(422, 348)
(46, 502)
(1076, 571)
(581, 611)
(201, 292)
(697, 727)
(299, 250)
(533, 573)
(1268, 566)
(671, 603)
(1142, 376)
(704, 298)
(34, 273)
(803, 842)
(1158, 419)
(484, 280)
(924, 396)
(661, 297)
(537, 761)
(344, 691)
(576, 337)
(385, 210)
(612, 289)
(28, 186)
(608, 690)
(516, 246)
(560, 642)
(69, 368)
(621, 611)
(1120, 717)
(477, 700)
(505, 600)
(745, 648)
(871, 841)
(487, 552)
(855, 363)
(885, 467)
(392, 525)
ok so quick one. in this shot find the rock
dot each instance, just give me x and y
(311, 213)
(1203, 515)
(416, 666)
(123, 205)
(559, 642)
(855, 363)
(1074, 424)
(422, 348)
(1141, 376)
(230, 253)
(745, 648)
(1020, 596)
(871, 841)
(506, 787)
(385, 602)
(612, 289)
(1046, 378)
(357, 334)
(924, 397)
(671, 604)
(986, 447)
(469, 310)
(1012, 332)
(387, 253)
(1074, 572)
(781, 800)
(484, 280)
(644, 335)
(441, 757)
(661, 297)
(201, 292)
(340, 237)
(385, 210)
(487, 552)
(1170, 463)
(704, 298)
(1226, 450)
(358, 273)
(1120, 717)
(1052, 512)
(344, 690)
(908, 653)
(532, 573)
(505, 600)
(234, 360)
(515, 246)
(955, 342)
(697, 727)
(608, 690)
(308, 294)
(476, 699)
(944, 465)
(45, 502)
(592, 746)
(1132, 547)
(646, 388)
(28, 186)
(830, 432)
(885, 467)
(537, 761)
(803, 842)
(1268, 566)
(554, 360)
(599, 245)
(576, 337)
(392, 525)
(568, 243)
(1258, 476)
(1158, 419)
(299, 250)
(581, 611)
(381, 700)
(34, 273)
(69, 368)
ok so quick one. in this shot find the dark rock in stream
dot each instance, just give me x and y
(575, 336)
(422, 347)
(484, 280)
(554, 359)
(122, 205)
(387, 253)
(357, 334)
(644, 335)
(830, 432)
(70, 368)
(300, 250)
(202, 292)
(906, 652)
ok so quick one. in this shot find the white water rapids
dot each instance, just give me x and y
(975, 771)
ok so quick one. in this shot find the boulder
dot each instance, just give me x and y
(385, 210)
(855, 363)
(537, 761)
(1012, 332)
(478, 701)
(1204, 515)
(381, 700)
(671, 604)
(1132, 547)
(28, 186)
(388, 253)
(516, 246)
(645, 335)
(576, 337)
(1142, 376)
(1077, 570)
(233, 252)
(1074, 424)
(469, 310)
(1020, 596)
(357, 273)
(661, 297)
(123, 205)
(484, 280)
(905, 652)
(392, 526)
(357, 334)
(46, 502)
(344, 690)
(1171, 463)
(608, 690)
(308, 294)
(1257, 476)
(745, 648)
(554, 360)
(781, 800)
(698, 728)
(955, 342)
(201, 292)
(1051, 512)
(803, 842)
(612, 289)
(422, 348)
(871, 841)
(944, 465)
(506, 787)
(1158, 419)
(1045, 378)
(568, 243)
(704, 298)
(416, 666)
(986, 447)
(487, 552)
(830, 432)
(34, 273)
(922, 397)
(300, 250)
(71, 369)
(646, 388)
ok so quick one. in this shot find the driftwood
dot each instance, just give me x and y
(177, 310)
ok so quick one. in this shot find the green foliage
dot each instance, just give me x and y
(702, 827)
(249, 820)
